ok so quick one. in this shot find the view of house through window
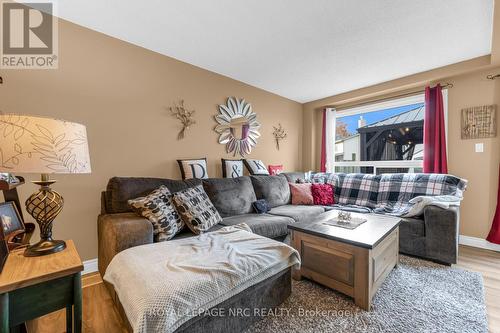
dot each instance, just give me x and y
(380, 138)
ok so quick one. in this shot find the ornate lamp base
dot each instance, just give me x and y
(43, 247)
(44, 206)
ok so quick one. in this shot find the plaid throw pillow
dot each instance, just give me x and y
(196, 209)
(158, 208)
(402, 187)
(357, 189)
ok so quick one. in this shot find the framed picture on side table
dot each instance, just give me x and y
(11, 221)
(4, 250)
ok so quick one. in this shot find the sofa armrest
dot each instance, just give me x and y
(441, 233)
(118, 232)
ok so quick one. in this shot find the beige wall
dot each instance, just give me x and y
(470, 89)
(120, 91)
(480, 169)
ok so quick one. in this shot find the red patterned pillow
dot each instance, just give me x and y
(322, 194)
(301, 194)
(275, 169)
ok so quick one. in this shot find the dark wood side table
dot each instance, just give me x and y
(31, 287)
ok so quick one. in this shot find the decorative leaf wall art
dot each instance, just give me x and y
(279, 134)
(238, 126)
(184, 115)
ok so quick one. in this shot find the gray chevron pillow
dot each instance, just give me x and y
(196, 209)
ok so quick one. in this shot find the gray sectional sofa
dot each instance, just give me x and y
(433, 236)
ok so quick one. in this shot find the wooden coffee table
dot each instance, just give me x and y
(354, 262)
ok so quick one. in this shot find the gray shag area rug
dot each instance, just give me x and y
(418, 296)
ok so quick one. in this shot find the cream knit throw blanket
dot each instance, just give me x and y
(163, 285)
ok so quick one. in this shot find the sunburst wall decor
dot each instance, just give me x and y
(238, 126)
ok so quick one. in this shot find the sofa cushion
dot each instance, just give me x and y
(270, 226)
(231, 196)
(294, 177)
(357, 189)
(122, 189)
(298, 213)
(274, 189)
(159, 209)
(196, 209)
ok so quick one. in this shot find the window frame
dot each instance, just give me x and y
(333, 115)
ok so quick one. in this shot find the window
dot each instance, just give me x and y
(381, 137)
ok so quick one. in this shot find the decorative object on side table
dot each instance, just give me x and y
(184, 115)
(9, 188)
(479, 122)
(43, 145)
(346, 220)
(238, 126)
(9, 178)
(279, 134)
(11, 220)
(4, 250)
(344, 216)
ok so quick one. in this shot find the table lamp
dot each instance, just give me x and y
(46, 146)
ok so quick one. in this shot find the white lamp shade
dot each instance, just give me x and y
(42, 145)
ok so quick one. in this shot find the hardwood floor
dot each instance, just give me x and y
(100, 316)
(487, 263)
(99, 313)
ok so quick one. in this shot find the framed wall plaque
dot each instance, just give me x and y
(479, 122)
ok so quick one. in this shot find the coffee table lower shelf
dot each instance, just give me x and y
(352, 270)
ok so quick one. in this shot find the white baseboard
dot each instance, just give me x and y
(478, 242)
(89, 266)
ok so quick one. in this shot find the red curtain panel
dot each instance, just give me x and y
(494, 235)
(323, 144)
(434, 132)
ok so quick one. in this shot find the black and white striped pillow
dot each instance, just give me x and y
(158, 208)
(196, 209)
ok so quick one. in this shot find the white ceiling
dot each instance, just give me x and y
(300, 49)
